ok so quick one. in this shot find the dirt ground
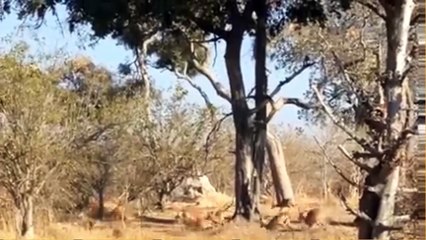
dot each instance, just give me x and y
(338, 227)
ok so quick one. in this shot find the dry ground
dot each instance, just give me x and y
(135, 229)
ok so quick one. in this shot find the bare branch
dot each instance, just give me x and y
(358, 214)
(47, 177)
(408, 190)
(274, 107)
(219, 88)
(249, 95)
(342, 69)
(203, 94)
(402, 218)
(341, 125)
(94, 136)
(215, 129)
(351, 158)
(214, 39)
(333, 164)
(290, 78)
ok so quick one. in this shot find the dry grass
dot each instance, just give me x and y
(137, 230)
(229, 232)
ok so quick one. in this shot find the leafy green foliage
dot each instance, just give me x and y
(173, 52)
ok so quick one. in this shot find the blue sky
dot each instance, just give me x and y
(107, 53)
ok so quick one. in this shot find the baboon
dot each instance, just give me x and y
(312, 217)
(279, 220)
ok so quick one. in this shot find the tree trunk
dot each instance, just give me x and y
(244, 168)
(387, 205)
(24, 218)
(139, 206)
(261, 86)
(101, 209)
(379, 205)
(283, 189)
(324, 177)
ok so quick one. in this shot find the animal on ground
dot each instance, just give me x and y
(193, 219)
(278, 221)
(312, 217)
(87, 222)
(117, 213)
(218, 216)
(117, 233)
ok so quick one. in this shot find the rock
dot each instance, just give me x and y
(192, 188)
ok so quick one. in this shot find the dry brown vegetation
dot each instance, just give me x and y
(117, 178)
(207, 215)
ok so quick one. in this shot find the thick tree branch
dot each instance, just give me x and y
(203, 94)
(207, 26)
(248, 10)
(275, 106)
(214, 39)
(290, 78)
(196, 87)
(364, 167)
(357, 213)
(212, 133)
(247, 15)
(218, 87)
(232, 5)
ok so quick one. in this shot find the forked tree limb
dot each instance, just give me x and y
(273, 108)
(351, 158)
(215, 129)
(184, 76)
(333, 164)
(206, 72)
(364, 217)
(291, 78)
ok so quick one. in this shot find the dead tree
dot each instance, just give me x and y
(282, 184)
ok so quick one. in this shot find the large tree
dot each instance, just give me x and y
(36, 133)
(370, 86)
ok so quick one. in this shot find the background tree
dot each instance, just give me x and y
(36, 133)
